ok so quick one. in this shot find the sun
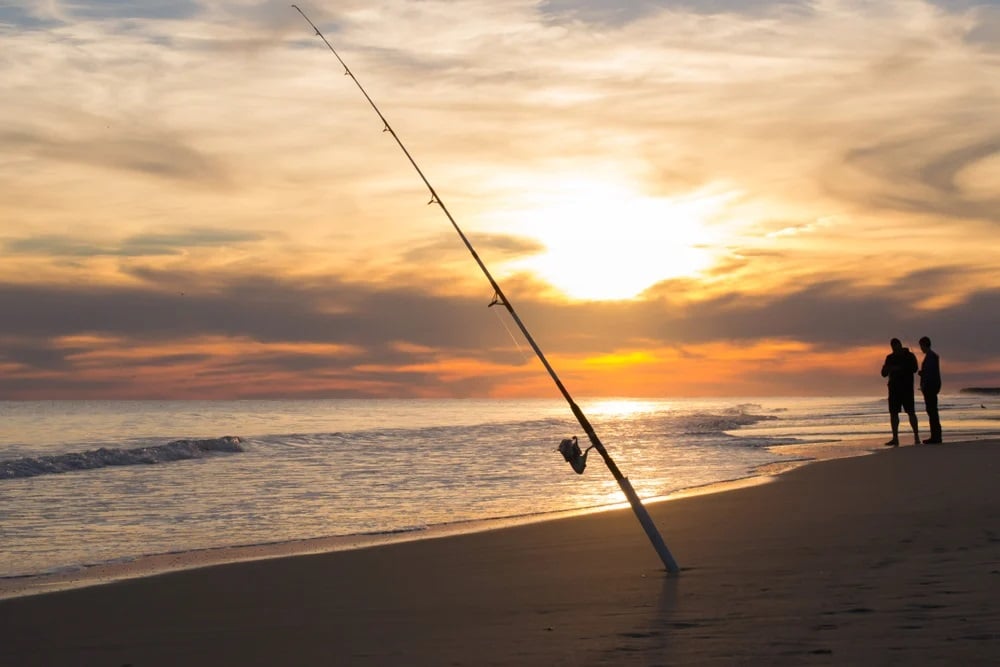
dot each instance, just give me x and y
(605, 241)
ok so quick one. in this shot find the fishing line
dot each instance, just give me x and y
(573, 456)
(524, 355)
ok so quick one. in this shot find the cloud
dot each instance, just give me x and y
(919, 174)
(39, 355)
(139, 245)
(497, 245)
(129, 9)
(406, 339)
(24, 17)
(616, 13)
(965, 5)
(985, 33)
(173, 305)
(156, 155)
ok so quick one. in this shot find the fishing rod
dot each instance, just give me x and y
(569, 448)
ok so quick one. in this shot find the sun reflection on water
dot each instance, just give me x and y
(621, 407)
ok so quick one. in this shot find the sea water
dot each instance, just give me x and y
(91, 482)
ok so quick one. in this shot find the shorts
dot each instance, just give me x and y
(900, 399)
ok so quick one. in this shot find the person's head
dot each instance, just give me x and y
(925, 343)
(895, 345)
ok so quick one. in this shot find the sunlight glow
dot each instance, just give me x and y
(606, 241)
(620, 407)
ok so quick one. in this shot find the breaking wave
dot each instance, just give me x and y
(708, 423)
(178, 450)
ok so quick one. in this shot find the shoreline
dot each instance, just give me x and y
(884, 559)
(149, 565)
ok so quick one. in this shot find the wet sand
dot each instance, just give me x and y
(886, 559)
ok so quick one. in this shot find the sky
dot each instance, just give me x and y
(679, 198)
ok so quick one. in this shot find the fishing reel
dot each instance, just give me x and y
(570, 449)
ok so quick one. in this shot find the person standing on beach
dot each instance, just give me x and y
(899, 367)
(930, 386)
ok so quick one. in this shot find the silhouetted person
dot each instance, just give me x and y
(930, 387)
(899, 367)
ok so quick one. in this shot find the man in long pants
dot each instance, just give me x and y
(930, 386)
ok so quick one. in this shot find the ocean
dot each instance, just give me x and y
(86, 483)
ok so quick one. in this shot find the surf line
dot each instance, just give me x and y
(569, 448)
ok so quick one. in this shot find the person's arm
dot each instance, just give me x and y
(934, 374)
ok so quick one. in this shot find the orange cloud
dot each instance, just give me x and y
(220, 367)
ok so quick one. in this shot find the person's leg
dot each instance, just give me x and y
(894, 406)
(911, 412)
(894, 422)
(931, 404)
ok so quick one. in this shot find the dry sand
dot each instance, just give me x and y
(879, 560)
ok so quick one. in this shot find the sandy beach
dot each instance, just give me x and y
(886, 559)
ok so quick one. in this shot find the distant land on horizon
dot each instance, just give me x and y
(980, 390)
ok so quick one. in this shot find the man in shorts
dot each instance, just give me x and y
(899, 367)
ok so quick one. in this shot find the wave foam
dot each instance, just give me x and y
(178, 450)
(707, 423)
